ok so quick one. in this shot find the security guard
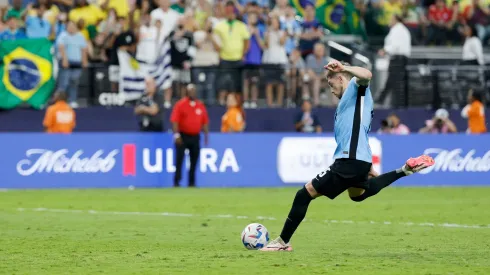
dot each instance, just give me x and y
(188, 118)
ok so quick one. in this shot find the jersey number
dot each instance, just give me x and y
(322, 174)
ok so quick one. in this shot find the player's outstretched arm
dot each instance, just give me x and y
(362, 75)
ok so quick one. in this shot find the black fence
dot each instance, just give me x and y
(420, 85)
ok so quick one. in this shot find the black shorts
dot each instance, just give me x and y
(229, 76)
(341, 175)
(274, 74)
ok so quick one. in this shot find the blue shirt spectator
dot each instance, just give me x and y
(306, 45)
(12, 32)
(293, 29)
(306, 121)
(73, 43)
(254, 54)
(37, 27)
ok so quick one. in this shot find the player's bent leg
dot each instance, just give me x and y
(374, 185)
(355, 192)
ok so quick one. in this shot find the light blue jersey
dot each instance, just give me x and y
(352, 123)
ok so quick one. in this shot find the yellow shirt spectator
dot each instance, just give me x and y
(91, 14)
(121, 7)
(390, 8)
(232, 36)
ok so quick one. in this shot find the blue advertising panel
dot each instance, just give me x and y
(108, 160)
(460, 159)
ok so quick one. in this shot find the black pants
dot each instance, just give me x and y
(192, 143)
(396, 84)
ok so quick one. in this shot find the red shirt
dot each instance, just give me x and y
(440, 15)
(190, 116)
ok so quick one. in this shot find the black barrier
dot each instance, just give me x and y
(420, 85)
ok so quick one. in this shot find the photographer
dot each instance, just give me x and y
(440, 124)
(395, 125)
(148, 110)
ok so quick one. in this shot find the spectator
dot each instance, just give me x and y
(440, 124)
(478, 15)
(311, 31)
(306, 121)
(50, 11)
(73, 56)
(385, 127)
(188, 118)
(60, 25)
(167, 16)
(37, 26)
(253, 59)
(147, 109)
(472, 48)
(206, 58)
(234, 38)
(59, 117)
(415, 21)
(13, 32)
(110, 25)
(475, 113)
(282, 10)
(292, 28)
(441, 23)
(16, 11)
(295, 70)
(148, 40)
(169, 19)
(121, 7)
(398, 46)
(389, 8)
(203, 12)
(97, 48)
(234, 119)
(90, 14)
(396, 126)
(179, 6)
(190, 23)
(275, 55)
(181, 51)
(315, 73)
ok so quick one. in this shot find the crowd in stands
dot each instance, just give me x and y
(282, 36)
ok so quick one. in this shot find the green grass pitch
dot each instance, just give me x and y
(197, 231)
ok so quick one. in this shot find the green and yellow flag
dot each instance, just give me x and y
(26, 72)
(338, 16)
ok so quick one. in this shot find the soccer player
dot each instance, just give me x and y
(352, 169)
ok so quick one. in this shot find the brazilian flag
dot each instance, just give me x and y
(338, 16)
(26, 71)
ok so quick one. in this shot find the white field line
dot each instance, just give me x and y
(229, 216)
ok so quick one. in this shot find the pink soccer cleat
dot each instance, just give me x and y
(414, 165)
(277, 245)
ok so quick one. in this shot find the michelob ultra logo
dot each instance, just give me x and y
(457, 161)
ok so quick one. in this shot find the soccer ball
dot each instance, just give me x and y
(255, 236)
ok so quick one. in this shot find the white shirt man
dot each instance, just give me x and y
(168, 18)
(398, 41)
(147, 45)
(473, 50)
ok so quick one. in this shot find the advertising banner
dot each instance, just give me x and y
(105, 160)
